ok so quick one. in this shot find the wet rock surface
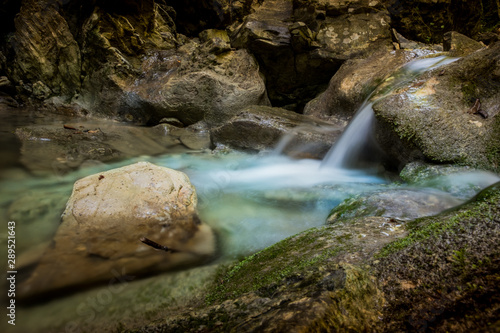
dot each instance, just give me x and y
(351, 276)
(460, 181)
(398, 204)
(449, 115)
(447, 279)
(64, 147)
(130, 61)
(107, 215)
(354, 82)
(259, 128)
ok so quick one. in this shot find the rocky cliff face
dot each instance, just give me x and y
(93, 55)
(207, 60)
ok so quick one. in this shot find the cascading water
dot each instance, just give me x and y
(357, 143)
(251, 201)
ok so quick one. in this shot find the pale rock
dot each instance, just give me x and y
(105, 218)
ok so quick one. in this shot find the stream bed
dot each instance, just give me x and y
(251, 201)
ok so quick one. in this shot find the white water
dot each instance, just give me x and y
(252, 201)
(357, 140)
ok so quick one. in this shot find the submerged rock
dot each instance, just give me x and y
(64, 147)
(262, 128)
(400, 204)
(460, 181)
(107, 215)
(449, 115)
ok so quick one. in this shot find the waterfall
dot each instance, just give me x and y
(354, 142)
(357, 147)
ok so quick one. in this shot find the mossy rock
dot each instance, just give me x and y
(402, 204)
(265, 291)
(439, 274)
(449, 279)
(449, 115)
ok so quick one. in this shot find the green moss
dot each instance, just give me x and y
(469, 92)
(287, 259)
(345, 208)
(427, 227)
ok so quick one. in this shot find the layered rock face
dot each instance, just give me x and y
(301, 45)
(47, 58)
(128, 61)
(108, 214)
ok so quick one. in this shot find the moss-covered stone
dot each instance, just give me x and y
(434, 119)
(444, 275)
(402, 204)
(441, 274)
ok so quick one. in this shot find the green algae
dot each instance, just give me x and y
(274, 265)
(444, 275)
(427, 227)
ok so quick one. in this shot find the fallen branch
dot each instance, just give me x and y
(157, 246)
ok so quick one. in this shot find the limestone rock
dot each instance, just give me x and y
(287, 51)
(217, 41)
(105, 218)
(431, 119)
(260, 127)
(459, 45)
(61, 148)
(114, 43)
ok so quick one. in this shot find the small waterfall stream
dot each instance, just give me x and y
(357, 142)
(251, 201)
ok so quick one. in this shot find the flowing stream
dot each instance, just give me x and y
(251, 201)
(357, 141)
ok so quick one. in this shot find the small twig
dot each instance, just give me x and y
(157, 246)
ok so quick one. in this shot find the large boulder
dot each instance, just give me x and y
(193, 84)
(354, 82)
(449, 115)
(356, 35)
(105, 219)
(259, 128)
